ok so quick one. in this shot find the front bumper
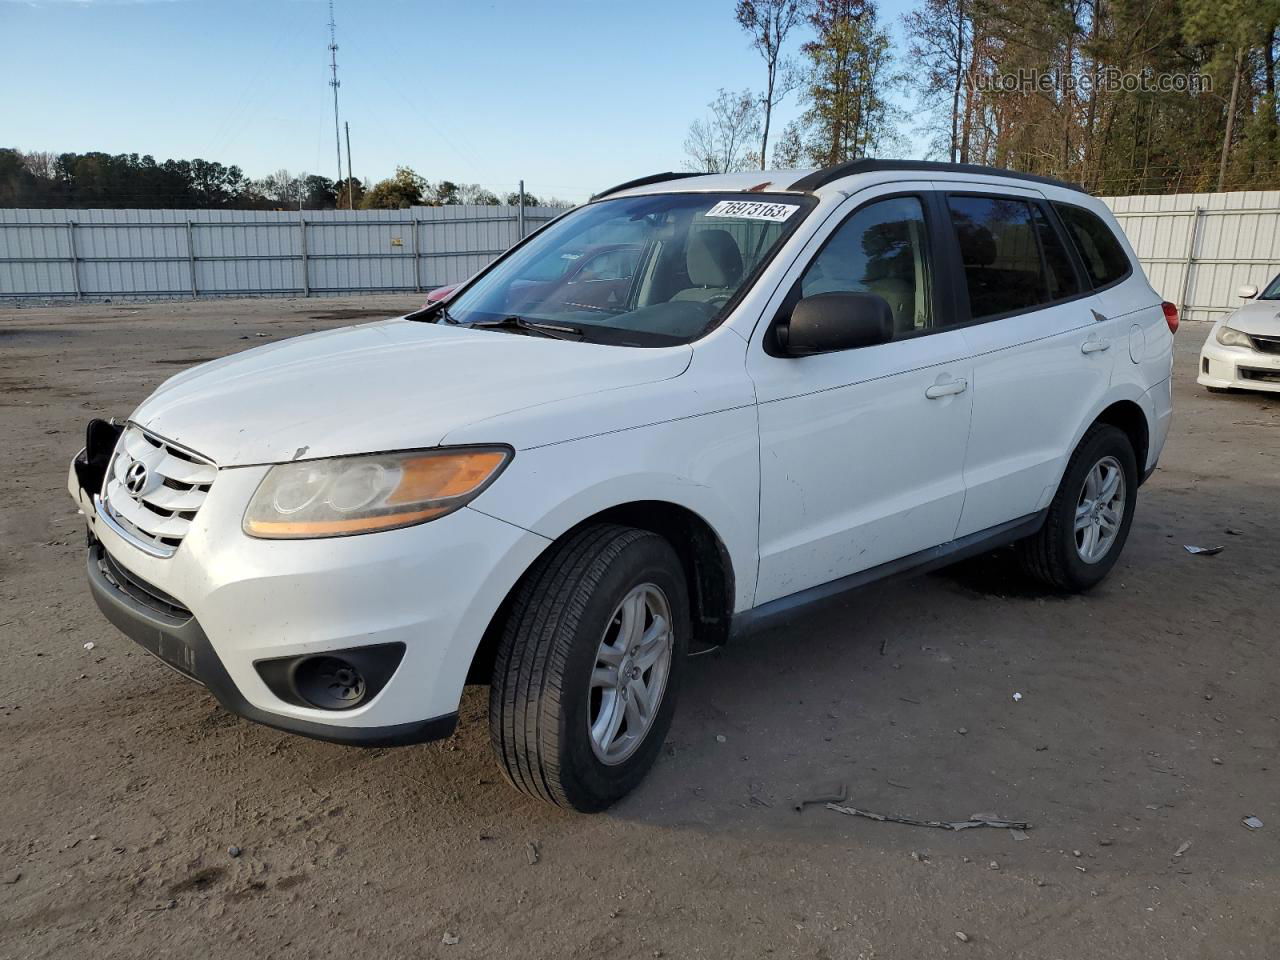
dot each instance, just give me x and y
(181, 644)
(1238, 368)
(430, 590)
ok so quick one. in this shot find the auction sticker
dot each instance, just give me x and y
(753, 210)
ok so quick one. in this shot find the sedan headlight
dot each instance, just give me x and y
(1230, 337)
(349, 495)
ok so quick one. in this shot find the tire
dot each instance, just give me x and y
(546, 690)
(1055, 555)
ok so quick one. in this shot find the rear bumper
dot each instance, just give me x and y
(180, 643)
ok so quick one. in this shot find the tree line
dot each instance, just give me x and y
(44, 180)
(1122, 96)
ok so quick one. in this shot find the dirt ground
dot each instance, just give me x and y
(1147, 728)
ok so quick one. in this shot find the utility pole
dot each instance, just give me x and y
(351, 203)
(520, 212)
(333, 82)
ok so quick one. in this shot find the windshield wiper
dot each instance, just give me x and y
(556, 331)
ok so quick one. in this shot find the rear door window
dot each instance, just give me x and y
(1104, 258)
(1000, 255)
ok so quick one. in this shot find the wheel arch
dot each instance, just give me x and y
(1128, 416)
(708, 568)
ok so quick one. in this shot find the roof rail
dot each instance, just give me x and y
(645, 181)
(824, 176)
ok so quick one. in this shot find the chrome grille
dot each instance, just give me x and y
(153, 489)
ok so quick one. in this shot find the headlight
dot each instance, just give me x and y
(1233, 338)
(381, 491)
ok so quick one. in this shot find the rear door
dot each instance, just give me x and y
(1041, 349)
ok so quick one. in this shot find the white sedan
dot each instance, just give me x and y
(1242, 351)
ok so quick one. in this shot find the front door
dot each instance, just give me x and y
(861, 451)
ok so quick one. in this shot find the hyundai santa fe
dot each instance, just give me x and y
(762, 391)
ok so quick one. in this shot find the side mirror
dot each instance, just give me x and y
(1248, 292)
(836, 321)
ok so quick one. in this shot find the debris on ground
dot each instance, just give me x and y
(826, 794)
(89, 645)
(233, 851)
(1234, 532)
(976, 820)
(962, 936)
(449, 939)
(721, 738)
(1203, 551)
(1253, 823)
(1016, 696)
(1182, 848)
(531, 852)
(1018, 834)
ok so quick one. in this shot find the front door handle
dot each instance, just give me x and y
(1095, 346)
(948, 389)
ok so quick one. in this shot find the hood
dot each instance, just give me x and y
(392, 385)
(1257, 316)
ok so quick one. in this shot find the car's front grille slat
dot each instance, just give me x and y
(154, 490)
(141, 591)
(1265, 344)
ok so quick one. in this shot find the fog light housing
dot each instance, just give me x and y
(333, 680)
(329, 683)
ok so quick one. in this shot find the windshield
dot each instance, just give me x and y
(1273, 290)
(642, 271)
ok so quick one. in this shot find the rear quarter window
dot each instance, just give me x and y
(1104, 258)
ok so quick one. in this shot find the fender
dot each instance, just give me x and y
(708, 465)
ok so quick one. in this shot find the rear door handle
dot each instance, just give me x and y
(948, 389)
(1095, 346)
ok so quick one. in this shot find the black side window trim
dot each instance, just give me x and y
(961, 285)
(1054, 205)
(942, 304)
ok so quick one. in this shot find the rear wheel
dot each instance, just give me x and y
(588, 667)
(1090, 515)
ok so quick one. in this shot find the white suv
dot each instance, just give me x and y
(758, 391)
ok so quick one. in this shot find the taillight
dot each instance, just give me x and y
(1170, 316)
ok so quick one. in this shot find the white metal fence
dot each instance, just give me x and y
(1199, 248)
(1196, 248)
(97, 254)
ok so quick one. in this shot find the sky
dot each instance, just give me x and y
(570, 96)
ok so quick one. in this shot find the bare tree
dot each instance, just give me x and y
(719, 143)
(939, 33)
(769, 22)
(41, 163)
(281, 187)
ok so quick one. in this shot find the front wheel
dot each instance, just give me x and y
(1090, 515)
(588, 666)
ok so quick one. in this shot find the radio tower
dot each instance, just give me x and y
(333, 82)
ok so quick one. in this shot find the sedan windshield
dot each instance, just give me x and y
(1272, 292)
(642, 271)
